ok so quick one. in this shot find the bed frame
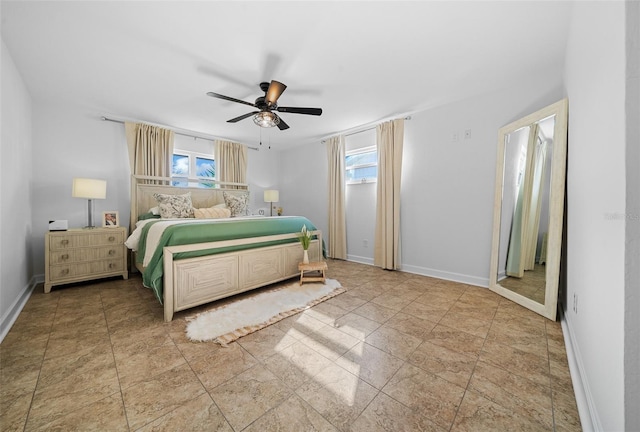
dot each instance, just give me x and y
(195, 281)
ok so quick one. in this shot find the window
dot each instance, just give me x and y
(189, 165)
(361, 165)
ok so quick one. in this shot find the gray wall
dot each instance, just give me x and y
(596, 208)
(16, 266)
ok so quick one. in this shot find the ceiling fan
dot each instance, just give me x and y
(266, 104)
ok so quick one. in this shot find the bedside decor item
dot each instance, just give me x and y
(280, 210)
(90, 189)
(224, 324)
(271, 196)
(110, 219)
(58, 225)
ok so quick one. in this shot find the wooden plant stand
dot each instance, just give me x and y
(318, 266)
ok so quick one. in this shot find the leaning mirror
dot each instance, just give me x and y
(528, 209)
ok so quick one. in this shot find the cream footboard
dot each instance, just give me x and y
(192, 282)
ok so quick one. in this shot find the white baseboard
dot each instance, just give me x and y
(455, 277)
(12, 314)
(586, 408)
(360, 259)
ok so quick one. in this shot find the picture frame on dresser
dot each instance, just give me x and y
(110, 219)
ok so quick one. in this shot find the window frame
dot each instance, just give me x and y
(361, 150)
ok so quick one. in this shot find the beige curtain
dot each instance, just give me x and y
(231, 162)
(389, 138)
(150, 149)
(337, 236)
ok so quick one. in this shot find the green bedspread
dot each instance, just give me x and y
(191, 233)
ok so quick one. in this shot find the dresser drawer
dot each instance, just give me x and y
(100, 239)
(57, 242)
(108, 266)
(61, 272)
(67, 256)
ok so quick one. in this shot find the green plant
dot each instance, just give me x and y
(305, 237)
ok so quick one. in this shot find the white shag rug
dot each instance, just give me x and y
(239, 318)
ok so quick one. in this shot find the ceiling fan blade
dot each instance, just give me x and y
(282, 125)
(273, 93)
(229, 98)
(297, 110)
(242, 117)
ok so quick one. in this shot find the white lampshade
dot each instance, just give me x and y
(89, 188)
(271, 195)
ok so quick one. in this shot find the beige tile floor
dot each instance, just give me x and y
(397, 352)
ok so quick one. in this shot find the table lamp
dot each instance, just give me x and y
(271, 196)
(90, 189)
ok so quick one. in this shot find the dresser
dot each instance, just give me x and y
(84, 254)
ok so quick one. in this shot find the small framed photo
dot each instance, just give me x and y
(110, 219)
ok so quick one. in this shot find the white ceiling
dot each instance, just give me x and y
(361, 62)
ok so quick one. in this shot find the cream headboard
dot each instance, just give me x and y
(142, 199)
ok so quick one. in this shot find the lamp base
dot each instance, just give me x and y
(90, 215)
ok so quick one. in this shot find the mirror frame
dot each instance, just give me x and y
(556, 209)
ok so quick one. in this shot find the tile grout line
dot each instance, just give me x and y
(115, 363)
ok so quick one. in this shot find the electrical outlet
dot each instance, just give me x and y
(575, 303)
(454, 136)
(365, 243)
(467, 134)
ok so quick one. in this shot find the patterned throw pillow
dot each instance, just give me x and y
(212, 213)
(238, 204)
(174, 206)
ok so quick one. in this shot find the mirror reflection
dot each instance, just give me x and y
(525, 209)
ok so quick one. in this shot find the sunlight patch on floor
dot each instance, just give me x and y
(341, 382)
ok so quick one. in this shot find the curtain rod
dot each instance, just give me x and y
(175, 130)
(364, 129)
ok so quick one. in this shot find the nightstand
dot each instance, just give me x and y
(79, 255)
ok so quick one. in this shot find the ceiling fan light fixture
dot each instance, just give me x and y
(266, 119)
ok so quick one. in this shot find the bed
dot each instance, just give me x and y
(190, 262)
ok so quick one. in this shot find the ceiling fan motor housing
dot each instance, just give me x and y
(261, 103)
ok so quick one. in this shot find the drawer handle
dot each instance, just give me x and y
(111, 252)
(112, 238)
(111, 265)
(64, 242)
(64, 272)
(65, 257)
